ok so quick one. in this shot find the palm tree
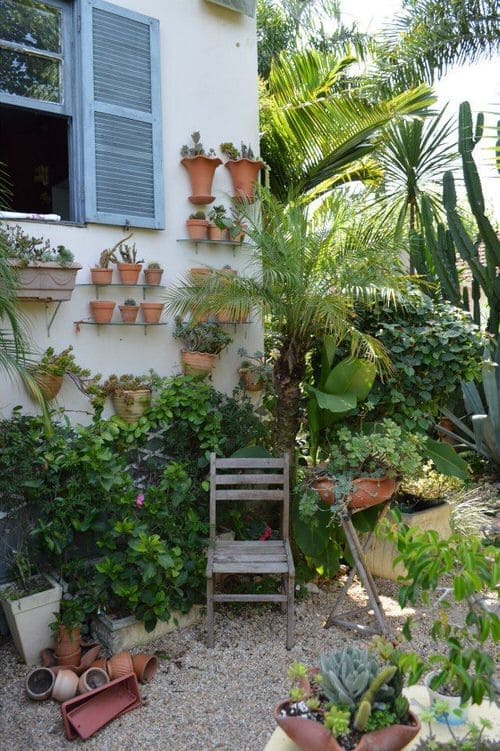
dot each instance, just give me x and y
(308, 271)
(318, 129)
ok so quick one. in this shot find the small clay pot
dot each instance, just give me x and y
(101, 276)
(101, 664)
(120, 665)
(39, 684)
(145, 667)
(65, 685)
(91, 679)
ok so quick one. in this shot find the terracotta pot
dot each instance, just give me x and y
(197, 275)
(313, 736)
(130, 405)
(49, 385)
(201, 170)
(216, 233)
(70, 660)
(197, 363)
(89, 656)
(129, 272)
(251, 379)
(145, 667)
(324, 487)
(101, 664)
(67, 642)
(152, 277)
(101, 276)
(366, 491)
(119, 665)
(128, 313)
(65, 685)
(151, 311)
(91, 679)
(244, 173)
(39, 684)
(197, 229)
(102, 310)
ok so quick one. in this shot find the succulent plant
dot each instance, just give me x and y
(347, 675)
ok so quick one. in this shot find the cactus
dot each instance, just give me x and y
(347, 675)
(486, 276)
(365, 705)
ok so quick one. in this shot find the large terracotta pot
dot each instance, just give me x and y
(197, 363)
(119, 665)
(201, 170)
(244, 174)
(102, 310)
(130, 405)
(152, 277)
(313, 736)
(366, 491)
(151, 311)
(49, 385)
(67, 645)
(101, 276)
(129, 272)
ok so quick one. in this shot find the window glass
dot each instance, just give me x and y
(31, 24)
(30, 76)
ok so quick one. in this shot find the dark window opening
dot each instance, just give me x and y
(34, 150)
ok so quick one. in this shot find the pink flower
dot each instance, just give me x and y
(139, 500)
(266, 534)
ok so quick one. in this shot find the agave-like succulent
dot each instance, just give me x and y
(347, 675)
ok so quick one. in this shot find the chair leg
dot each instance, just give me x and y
(284, 590)
(290, 631)
(210, 612)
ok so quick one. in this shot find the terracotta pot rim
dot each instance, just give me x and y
(204, 157)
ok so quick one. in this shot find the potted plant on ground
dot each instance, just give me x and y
(129, 310)
(130, 394)
(352, 701)
(244, 169)
(202, 343)
(201, 168)
(152, 274)
(52, 368)
(42, 272)
(219, 224)
(197, 226)
(67, 632)
(129, 267)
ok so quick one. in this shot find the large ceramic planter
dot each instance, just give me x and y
(244, 173)
(45, 281)
(201, 170)
(102, 310)
(197, 363)
(29, 620)
(380, 552)
(151, 311)
(130, 405)
(313, 736)
(365, 492)
(129, 273)
(119, 634)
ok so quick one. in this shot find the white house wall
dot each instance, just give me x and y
(208, 61)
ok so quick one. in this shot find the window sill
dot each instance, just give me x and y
(62, 223)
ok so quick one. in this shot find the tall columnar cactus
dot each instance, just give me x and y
(485, 275)
(365, 705)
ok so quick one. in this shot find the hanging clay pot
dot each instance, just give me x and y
(120, 665)
(201, 170)
(145, 667)
(102, 310)
(49, 384)
(129, 273)
(91, 679)
(39, 684)
(65, 685)
(100, 276)
(151, 311)
(251, 379)
(130, 405)
(197, 363)
(244, 173)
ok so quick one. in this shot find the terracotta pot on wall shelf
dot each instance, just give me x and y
(129, 272)
(244, 173)
(145, 667)
(201, 170)
(102, 310)
(120, 665)
(216, 233)
(129, 313)
(130, 405)
(197, 229)
(152, 277)
(197, 275)
(39, 684)
(49, 385)
(151, 311)
(197, 363)
(101, 276)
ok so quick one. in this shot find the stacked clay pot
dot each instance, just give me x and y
(68, 650)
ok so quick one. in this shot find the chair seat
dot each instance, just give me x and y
(249, 557)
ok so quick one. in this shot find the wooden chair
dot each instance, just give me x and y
(237, 480)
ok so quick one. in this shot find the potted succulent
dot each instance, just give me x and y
(129, 267)
(255, 372)
(102, 274)
(244, 169)
(197, 226)
(202, 343)
(352, 701)
(131, 395)
(52, 368)
(42, 272)
(129, 310)
(201, 168)
(153, 273)
(219, 224)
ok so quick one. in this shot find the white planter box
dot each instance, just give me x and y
(28, 619)
(125, 633)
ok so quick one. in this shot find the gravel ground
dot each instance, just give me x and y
(201, 699)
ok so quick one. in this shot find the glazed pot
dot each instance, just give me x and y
(128, 313)
(49, 384)
(216, 233)
(244, 173)
(91, 679)
(313, 736)
(197, 363)
(129, 272)
(130, 405)
(65, 685)
(145, 667)
(197, 229)
(101, 276)
(151, 311)
(120, 665)
(39, 684)
(201, 170)
(102, 310)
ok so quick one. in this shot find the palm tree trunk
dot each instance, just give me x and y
(288, 373)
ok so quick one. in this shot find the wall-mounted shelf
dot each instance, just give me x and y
(145, 326)
(143, 287)
(228, 243)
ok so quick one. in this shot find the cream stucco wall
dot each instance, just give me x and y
(209, 83)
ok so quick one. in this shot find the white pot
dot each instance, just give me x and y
(453, 702)
(28, 619)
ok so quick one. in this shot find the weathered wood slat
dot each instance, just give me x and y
(249, 479)
(249, 598)
(248, 495)
(248, 544)
(249, 463)
(249, 557)
(269, 567)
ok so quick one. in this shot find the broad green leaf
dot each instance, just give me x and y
(333, 402)
(446, 459)
(311, 535)
(351, 376)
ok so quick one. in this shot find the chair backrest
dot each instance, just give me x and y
(238, 480)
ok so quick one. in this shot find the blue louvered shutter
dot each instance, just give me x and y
(123, 160)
